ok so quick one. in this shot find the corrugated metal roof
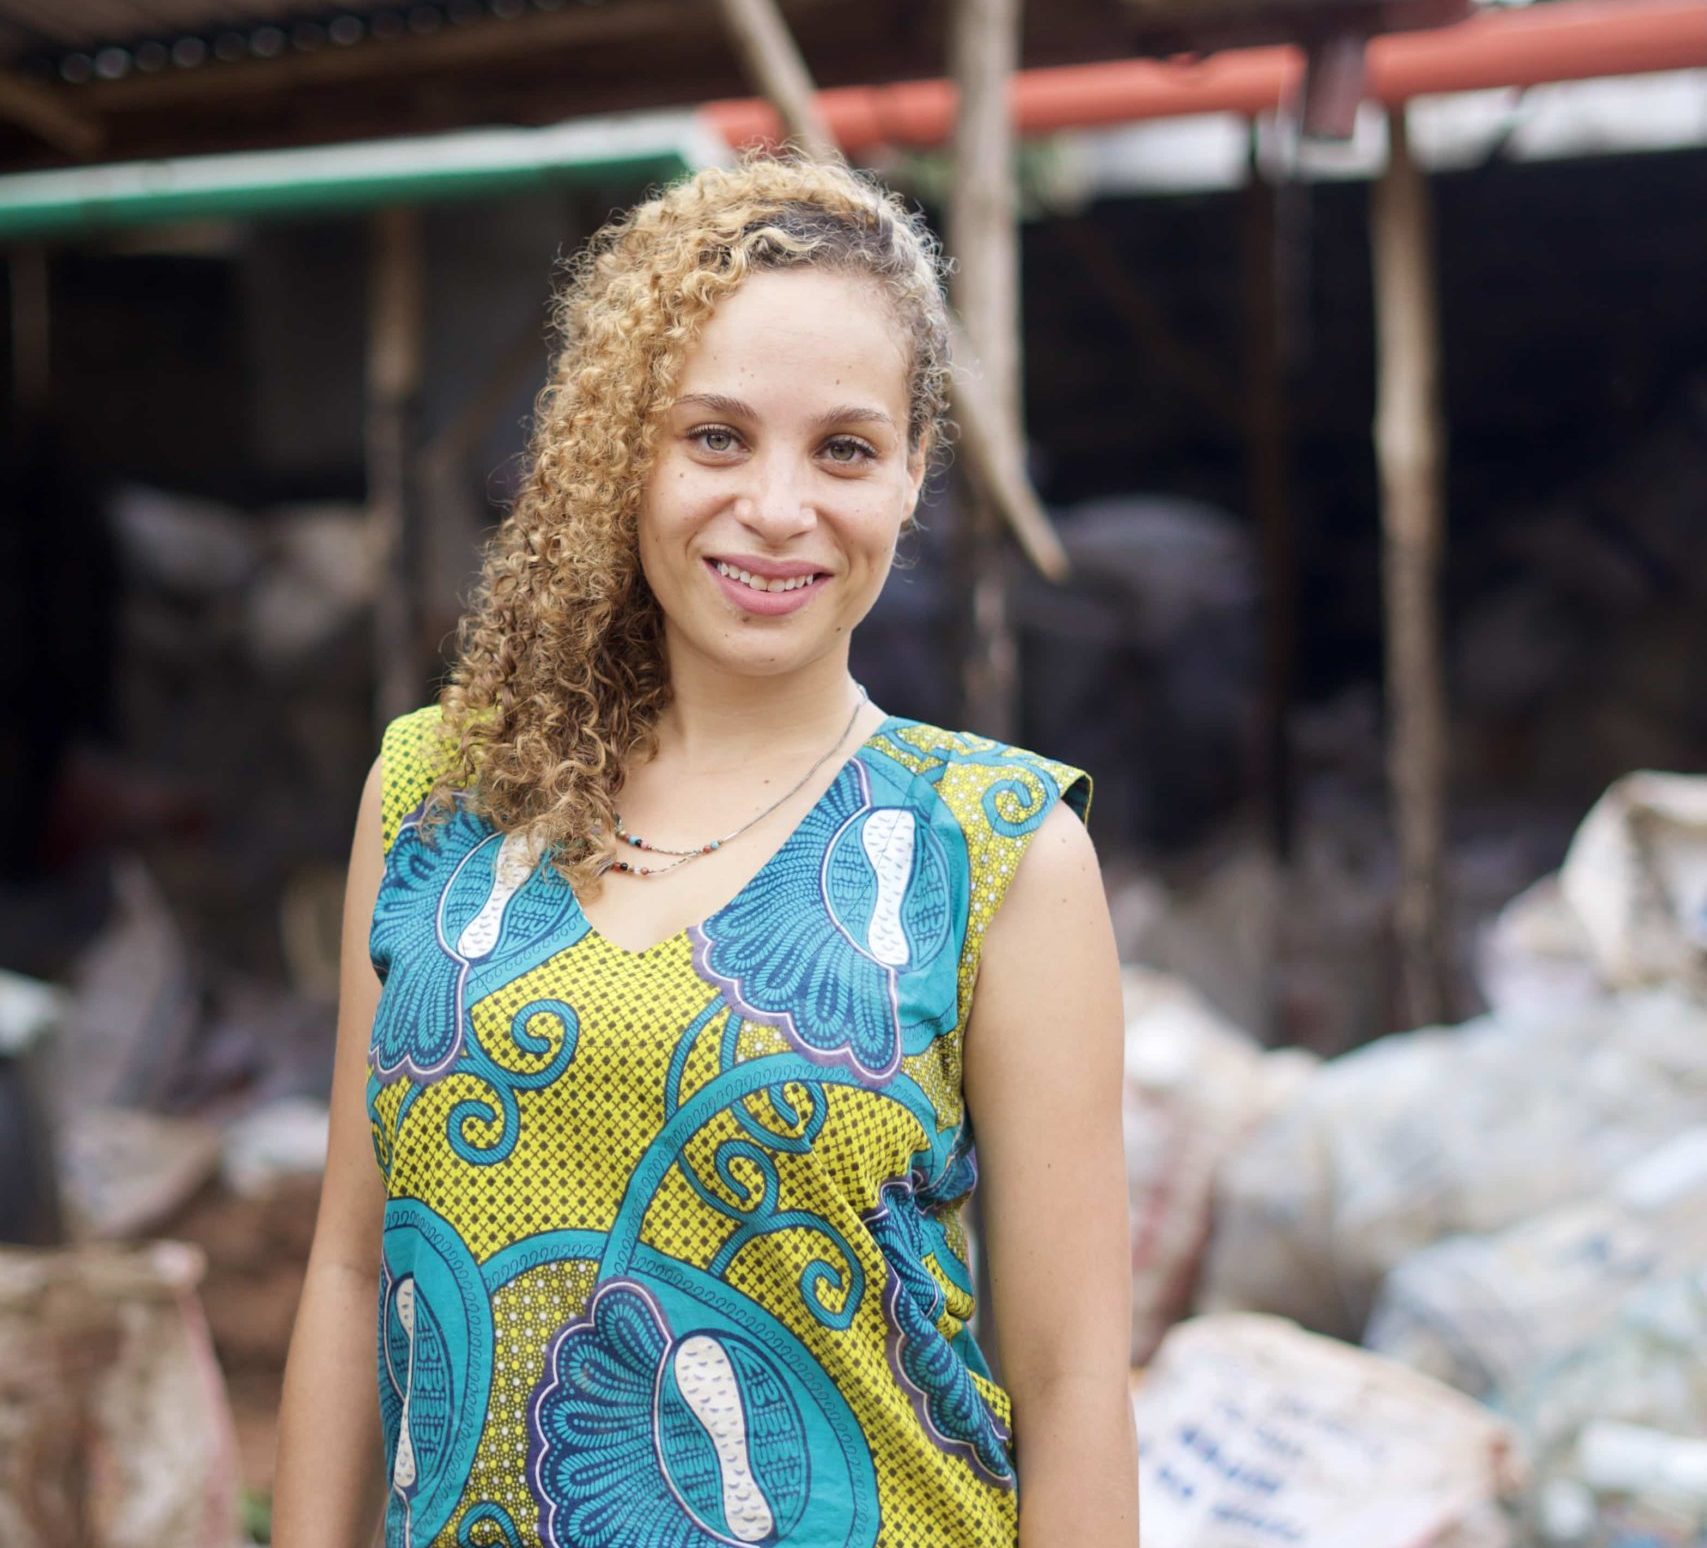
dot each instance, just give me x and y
(46, 27)
(100, 80)
(51, 26)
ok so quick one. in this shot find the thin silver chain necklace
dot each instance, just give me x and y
(634, 840)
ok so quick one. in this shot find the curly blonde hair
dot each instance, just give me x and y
(560, 673)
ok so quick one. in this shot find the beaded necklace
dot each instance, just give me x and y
(685, 855)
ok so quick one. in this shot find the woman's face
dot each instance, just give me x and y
(783, 477)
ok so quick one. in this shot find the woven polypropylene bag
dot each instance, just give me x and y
(114, 1426)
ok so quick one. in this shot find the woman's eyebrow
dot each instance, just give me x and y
(718, 403)
(858, 412)
(734, 408)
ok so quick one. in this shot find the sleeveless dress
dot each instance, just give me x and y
(673, 1252)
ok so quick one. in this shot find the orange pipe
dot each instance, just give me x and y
(1570, 40)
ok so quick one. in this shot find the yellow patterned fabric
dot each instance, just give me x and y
(673, 1251)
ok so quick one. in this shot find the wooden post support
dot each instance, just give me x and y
(32, 352)
(1268, 482)
(393, 382)
(1410, 451)
(984, 237)
(983, 234)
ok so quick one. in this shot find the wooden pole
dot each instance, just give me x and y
(983, 232)
(984, 236)
(774, 65)
(32, 346)
(1410, 451)
(393, 382)
(1271, 507)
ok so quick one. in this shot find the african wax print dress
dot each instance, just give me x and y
(673, 1253)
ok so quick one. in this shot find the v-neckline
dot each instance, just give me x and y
(752, 881)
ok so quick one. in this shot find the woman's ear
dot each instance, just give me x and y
(917, 460)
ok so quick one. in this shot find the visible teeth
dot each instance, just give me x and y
(759, 583)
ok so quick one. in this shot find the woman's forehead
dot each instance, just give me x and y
(803, 330)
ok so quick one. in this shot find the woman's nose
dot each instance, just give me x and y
(777, 503)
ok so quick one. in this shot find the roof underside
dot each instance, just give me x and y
(128, 79)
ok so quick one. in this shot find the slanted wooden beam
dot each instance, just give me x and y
(1410, 439)
(1148, 325)
(998, 469)
(770, 57)
(44, 112)
(774, 64)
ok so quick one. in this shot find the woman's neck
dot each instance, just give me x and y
(718, 720)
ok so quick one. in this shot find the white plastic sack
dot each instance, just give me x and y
(1253, 1433)
(1534, 957)
(285, 1138)
(1195, 1085)
(124, 1171)
(1486, 1313)
(1428, 1134)
(1636, 876)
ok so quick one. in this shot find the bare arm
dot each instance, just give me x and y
(330, 1485)
(1042, 1079)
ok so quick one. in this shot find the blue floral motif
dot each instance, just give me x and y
(435, 1349)
(1018, 803)
(1013, 804)
(841, 941)
(460, 912)
(928, 1367)
(644, 1440)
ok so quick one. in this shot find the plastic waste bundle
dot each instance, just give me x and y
(1195, 1086)
(1485, 1312)
(1253, 1433)
(1619, 1428)
(1430, 1134)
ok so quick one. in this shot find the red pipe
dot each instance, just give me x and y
(1570, 40)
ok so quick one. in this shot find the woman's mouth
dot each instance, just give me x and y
(758, 582)
(767, 595)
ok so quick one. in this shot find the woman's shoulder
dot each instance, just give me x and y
(984, 779)
(993, 797)
(415, 749)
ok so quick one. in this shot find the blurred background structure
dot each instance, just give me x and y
(1330, 483)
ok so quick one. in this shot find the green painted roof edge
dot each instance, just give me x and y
(642, 147)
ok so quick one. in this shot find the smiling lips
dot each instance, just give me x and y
(765, 582)
(770, 588)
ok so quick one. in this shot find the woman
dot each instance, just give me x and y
(677, 1065)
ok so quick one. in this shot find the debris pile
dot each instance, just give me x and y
(1506, 1215)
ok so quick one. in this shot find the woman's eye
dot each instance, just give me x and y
(715, 438)
(847, 450)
